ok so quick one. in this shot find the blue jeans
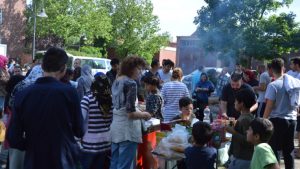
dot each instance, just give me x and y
(16, 158)
(123, 154)
(92, 160)
(239, 163)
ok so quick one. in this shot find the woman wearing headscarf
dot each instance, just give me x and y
(249, 77)
(202, 91)
(4, 77)
(96, 109)
(16, 157)
(84, 81)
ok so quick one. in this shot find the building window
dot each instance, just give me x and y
(1, 16)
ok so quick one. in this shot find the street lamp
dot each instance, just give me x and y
(42, 15)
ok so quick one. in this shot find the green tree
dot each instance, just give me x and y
(234, 28)
(135, 28)
(273, 37)
(69, 20)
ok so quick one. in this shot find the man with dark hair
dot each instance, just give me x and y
(296, 63)
(153, 71)
(112, 74)
(292, 72)
(228, 96)
(223, 80)
(77, 69)
(47, 117)
(166, 72)
(296, 67)
(281, 115)
(238, 69)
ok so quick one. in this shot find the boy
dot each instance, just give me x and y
(199, 156)
(259, 133)
(240, 149)
(186, 108)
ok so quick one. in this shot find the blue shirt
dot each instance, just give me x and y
(203, 95)
(200, 157)
(46, 117)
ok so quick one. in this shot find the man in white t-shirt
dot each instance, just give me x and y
(292, 72)
(281, 115)
(166, 72)
(264, 80)
(295, 64)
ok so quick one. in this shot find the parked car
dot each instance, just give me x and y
(97, 64)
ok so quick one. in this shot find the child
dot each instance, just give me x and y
(259, 133)
(153, 106)
(154, 100)
(240, 149)
(199, 156)
(186, 108)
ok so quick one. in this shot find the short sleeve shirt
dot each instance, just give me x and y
(263, 155)
(165, 77)
(124, 94)
(154, 105)
(277, 93)
(265, 79)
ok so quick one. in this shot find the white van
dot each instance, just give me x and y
(97, 64)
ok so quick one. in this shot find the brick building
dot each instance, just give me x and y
(12, 26)
(168, 52)
(190, 55)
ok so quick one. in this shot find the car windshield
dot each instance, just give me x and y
(95, 64)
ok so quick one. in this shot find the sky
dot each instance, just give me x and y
(177, 16)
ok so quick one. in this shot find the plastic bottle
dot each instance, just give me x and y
(207, 115)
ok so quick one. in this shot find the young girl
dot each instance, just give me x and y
(153, 106)
(154, 100)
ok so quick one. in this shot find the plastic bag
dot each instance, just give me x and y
(223, 156)
(179, 135)
(172, 146)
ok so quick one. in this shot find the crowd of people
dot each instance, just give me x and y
(67, 118)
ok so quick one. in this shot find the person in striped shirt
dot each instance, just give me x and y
(171, 92)
(96, 108)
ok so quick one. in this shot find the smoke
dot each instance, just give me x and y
(220, 29)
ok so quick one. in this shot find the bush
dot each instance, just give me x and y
(86, 51)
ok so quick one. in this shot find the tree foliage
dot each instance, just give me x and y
(126, 25)
(135, 28)
(241, 29)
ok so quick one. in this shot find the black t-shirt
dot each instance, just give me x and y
(228, 95)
